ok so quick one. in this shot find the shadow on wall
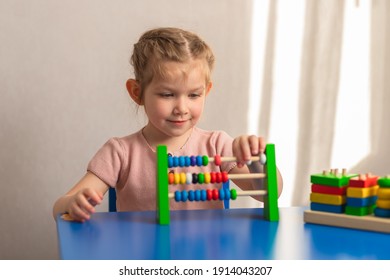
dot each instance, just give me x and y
(320, 74)
(378, 161)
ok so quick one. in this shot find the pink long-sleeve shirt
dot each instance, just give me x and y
(129, 165)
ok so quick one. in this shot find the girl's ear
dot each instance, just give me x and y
(208, 87)
(134, 90)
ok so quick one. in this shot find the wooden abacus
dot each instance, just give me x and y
(270, 194)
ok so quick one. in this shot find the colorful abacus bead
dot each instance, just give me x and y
(207, 178)
(217, 160)
(171, 178)
(218, 177)
(233, 194)
(177, 196)
(203, 195)
(182, 161)
(221, 194)
(194, 178)
(209, 194)
(197, 195)
(227, 194)
(215, 194)
(177, 178)
(175, 161)
(199, 161)
(225, 177)
(205, 160)
(188, 178)
(187, 161)
(191, 195)
(170, 162)
(184, 196)
(200, 178)
(193, 160)
(212, 177)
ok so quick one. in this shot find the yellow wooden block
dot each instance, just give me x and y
(384, 193)
(362, 192)
(328, 198)
(383, 203)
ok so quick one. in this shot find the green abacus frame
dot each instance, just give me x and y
(270, 212)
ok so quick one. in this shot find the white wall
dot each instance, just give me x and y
(63, 67)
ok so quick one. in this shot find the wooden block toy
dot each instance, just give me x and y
(367, 204)
(362, 192)
(384, 193)
(332, 178)
(384, 213)
(361, 202)
(363, 181)
(384, 182)
(328, 189)
(370, 222)
(383, 203)
(327, 207)
(359, 211)
(327, 199)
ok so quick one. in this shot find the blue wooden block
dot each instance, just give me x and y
(361, 202)
(380, 212)
(327, 207)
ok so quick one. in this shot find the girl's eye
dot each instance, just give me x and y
(166, 94)
(194, 95)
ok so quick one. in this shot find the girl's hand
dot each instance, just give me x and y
(82, 204)
(246, 146)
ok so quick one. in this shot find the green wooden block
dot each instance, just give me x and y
(331, 180)
(162, 185)
(271, 210)
(384, 182)
(359, 211)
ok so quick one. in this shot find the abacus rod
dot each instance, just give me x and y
(250, 193)
(246, 176)
(239, 193)
(233, 159)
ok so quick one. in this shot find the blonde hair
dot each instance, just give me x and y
(167, 44)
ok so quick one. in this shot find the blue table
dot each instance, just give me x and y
(233, 234)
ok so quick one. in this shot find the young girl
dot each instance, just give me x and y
(172, 79)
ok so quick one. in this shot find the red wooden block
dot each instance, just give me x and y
(328, 190)
(363, 181)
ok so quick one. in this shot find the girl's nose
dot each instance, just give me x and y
(180, 107)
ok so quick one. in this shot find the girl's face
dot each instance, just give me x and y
(174, 103)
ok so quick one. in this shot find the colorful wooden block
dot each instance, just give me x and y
(363, 181)
(384, 182)
(331, 180)
(327, 207)
(362, 192)
(361, 202)
(383, 203)
(328, 198)
(384, 193)
(384, 213)
(359, 211)
(328, 189)
(370, 222)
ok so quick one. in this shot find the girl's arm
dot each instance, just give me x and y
(80, 201)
